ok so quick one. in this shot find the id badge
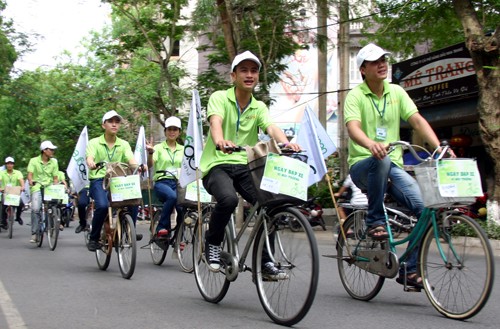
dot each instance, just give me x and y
(381, 133)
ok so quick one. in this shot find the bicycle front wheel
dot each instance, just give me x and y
(184, 243)
(357, 281)
(288, 296)
(103, 254)
(89, 216)
(211, 283)
(457, 282)
(126, 246)
(53, 227)
(10, 220)
(158, 247)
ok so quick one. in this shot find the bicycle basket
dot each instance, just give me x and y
(257, 157)
(427, 178)
(12, 196)
(124, 185)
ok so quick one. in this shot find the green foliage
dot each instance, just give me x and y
(8, 54)
(270, 39)
(491, 229)
(431, 24)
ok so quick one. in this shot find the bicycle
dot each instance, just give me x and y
(455, 256)
(50, 214)
(11, 200)
(118, 230)
(67, 210)
(89, 216)
(181, 241)
(286, 301)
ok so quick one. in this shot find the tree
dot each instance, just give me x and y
(8, 53)
(147, 32)
(266, 28)
(436, 24)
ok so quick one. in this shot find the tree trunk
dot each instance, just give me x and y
(485, 55)
(227, 29)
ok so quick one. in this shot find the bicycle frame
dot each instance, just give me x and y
(234, 256)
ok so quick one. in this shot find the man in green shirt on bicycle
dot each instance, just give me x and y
(106, 148)
(373, 111)
(43, 170)
(11, 177)
(235, 118)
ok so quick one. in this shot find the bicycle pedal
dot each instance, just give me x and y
(412, 289)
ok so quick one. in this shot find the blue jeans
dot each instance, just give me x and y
(83, 202)
(101, 205)
(166, 191)
(372, 175)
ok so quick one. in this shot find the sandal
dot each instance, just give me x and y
(412, 280)
(378, 233)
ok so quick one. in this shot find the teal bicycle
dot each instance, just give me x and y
(455, 258)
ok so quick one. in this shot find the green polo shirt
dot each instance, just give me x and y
(241, 129)
(363, 105)
(165, 159)
(12, 179)
(43, 173)
(98, 149)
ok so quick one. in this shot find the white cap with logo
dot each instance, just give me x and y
(9, 159)
(47, 145)
(244, 57)
(370, 52)
(173, 122)
(111, 114)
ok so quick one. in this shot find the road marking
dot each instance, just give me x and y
(12, 316)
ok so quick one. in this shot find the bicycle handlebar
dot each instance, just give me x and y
(405, 145)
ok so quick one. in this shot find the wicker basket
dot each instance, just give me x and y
(427, 178)
(117, 169)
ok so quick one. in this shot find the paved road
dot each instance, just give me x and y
(43, 289)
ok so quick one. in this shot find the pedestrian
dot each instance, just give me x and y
(373, 111)
(235, 117)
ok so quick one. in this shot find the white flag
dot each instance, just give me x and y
(140, 153)
(77, 169)
(313, 138)
(193, 145)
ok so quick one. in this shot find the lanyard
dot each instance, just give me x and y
(376, 106)
(238, 109)
(110, 157)
(171, 155)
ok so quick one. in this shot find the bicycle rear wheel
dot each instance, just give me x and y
(184, 243)
(460, 286)
(158, 248)
(126, 246)
(212, 284)
(10, 220)
(357, 281)
(53, 227)
(42, 226)
(286, 300)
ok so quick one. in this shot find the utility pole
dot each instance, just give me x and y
(344, 50)
(322, 59)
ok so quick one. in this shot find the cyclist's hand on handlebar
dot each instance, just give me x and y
(293, 146)
(226, 146)
(378, 150)
(91, 164)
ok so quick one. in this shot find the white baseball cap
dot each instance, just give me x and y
(47, 145)
(244, 57)
(370, 52)
(9, 159)
(111, 114)
(173, 122)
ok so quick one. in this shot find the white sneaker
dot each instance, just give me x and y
(33, 238)
(272, 273)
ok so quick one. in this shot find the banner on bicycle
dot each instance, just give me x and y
(125, 188)
(459, 178)
(188, 196)
(285, 175)
(12, 196)
(54, 192)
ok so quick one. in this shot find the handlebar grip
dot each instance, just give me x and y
(229, 148)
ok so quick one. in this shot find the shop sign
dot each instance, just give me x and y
(441, 76)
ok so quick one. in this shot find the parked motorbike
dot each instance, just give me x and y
(313, 211)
